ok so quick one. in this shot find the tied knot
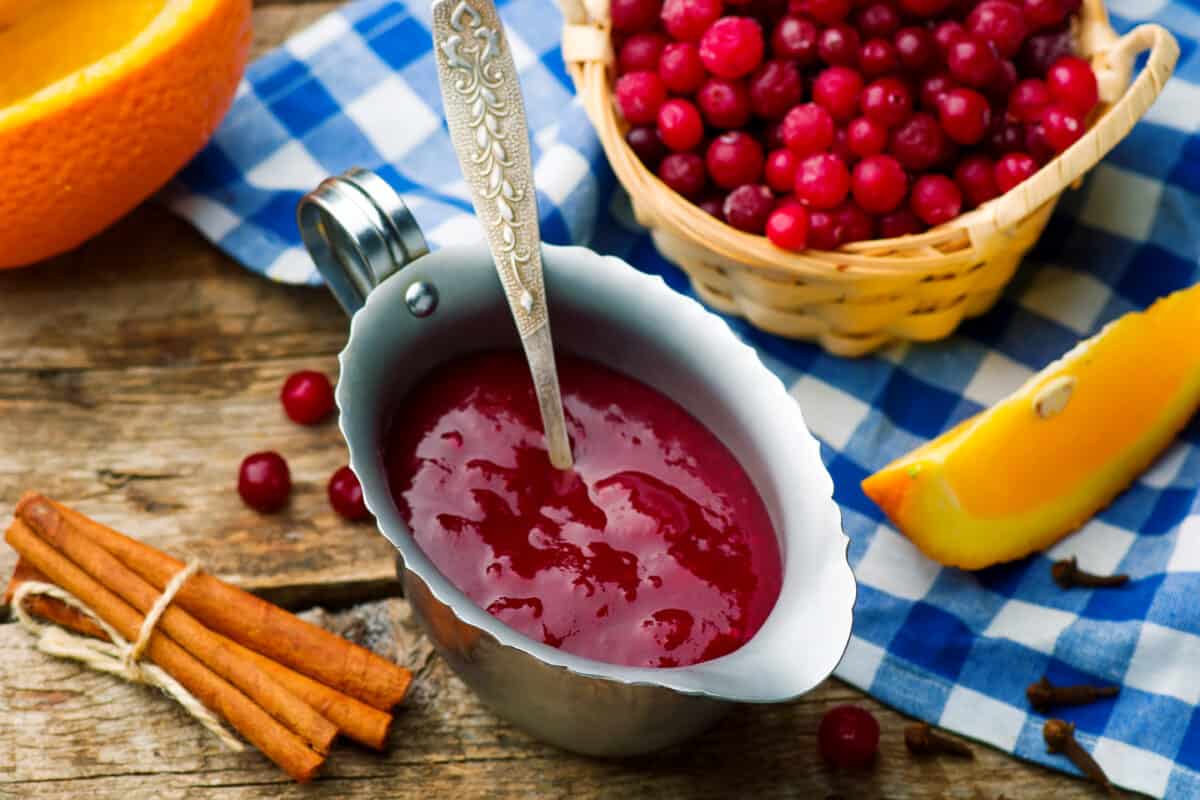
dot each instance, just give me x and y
(118, 656)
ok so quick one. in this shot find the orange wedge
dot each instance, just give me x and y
(1023, 474)
(101, 102)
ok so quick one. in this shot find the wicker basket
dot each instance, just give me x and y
(866, 294)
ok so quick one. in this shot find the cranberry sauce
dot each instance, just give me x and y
(653, 550)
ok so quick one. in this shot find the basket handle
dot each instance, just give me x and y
(1116, 61)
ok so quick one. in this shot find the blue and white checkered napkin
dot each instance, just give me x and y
(957, 649)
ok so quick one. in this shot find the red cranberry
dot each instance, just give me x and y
(807, 129)
(733, 159)
(346, 495)
(853, 223)
(679, 125)
(972, 61)
(683, 172)
(822, 180)
(1072, 83)
(639, 96)
(787, 227)
(1027, 99)
(866, 137)
(918, 143)
(823, 229)
(680, 68)
(724, 103)
(837, 89)
(947, 33)
(917, 50)
(848, 736)
(1003, 80)
(775, 87)
(1035, 141)
(933, 88)
(879, 183)
(839, 44)
(841, 147)
(925, 8)
(1012, 168)
(1041, 14)
(687, 20)
(999, 22)
(1041, 50)
(264, 482)
(964, 114)
(732, 47)
(1005, 136)
(647, 145)
(829, 12)
(747, 208)
(795, 38)
(641, 52)
(772, 136)
(878, 57)
(780, 169)
(714, 205)
(307, 397)
(901, 222)
(936, 199)
(1061, 126)
(975, 176)
(887, 101)
(877, 19)
(632, 16)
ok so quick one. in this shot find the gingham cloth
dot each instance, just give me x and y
(359, 88)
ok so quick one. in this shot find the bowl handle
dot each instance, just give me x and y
(1112, 63)
(358, 232)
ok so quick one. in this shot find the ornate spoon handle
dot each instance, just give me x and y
(487, 123)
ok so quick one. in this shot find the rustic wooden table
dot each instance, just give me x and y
(135, 373)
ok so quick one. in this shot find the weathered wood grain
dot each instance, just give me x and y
(71, 733)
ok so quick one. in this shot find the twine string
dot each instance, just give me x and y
(117, 656)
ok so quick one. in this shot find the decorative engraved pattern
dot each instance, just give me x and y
(486, 116)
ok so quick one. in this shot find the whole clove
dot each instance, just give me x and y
(1068, 575)
(1044, 695)
(921, 739)
(1060, 738)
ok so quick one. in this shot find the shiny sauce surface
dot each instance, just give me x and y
(653, 550)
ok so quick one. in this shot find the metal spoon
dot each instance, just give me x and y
(487, 123)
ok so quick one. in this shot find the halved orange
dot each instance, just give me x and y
(101, 102)
(1028, 471)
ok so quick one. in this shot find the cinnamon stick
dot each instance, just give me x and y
(363, 723)
(57, 530)
(271, 737)
(253, 622)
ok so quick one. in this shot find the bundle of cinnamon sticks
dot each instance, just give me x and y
(287, 686)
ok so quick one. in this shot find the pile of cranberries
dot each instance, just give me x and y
(264, 480)
(822, 122)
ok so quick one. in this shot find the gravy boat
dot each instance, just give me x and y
(413, 310)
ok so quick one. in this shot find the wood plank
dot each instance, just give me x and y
(72, 733)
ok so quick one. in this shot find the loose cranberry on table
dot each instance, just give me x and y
(346, 495)
(880, 183)
(935, 199)
(848, 736)
(822, 181)
(807, 129)
(732, 47)
(307, 397)
(734, 159)
(264, 481)
(775, 87)
(680, 68)
(687, 20)
(1012, 168)
(641, 52)
(747, 208)
(795, 38)
(837, 89)
(679, 125)
(632, 16)
(787, 227)
(639, 95)
(724, 103)
(684, 173)
(1071, 82)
